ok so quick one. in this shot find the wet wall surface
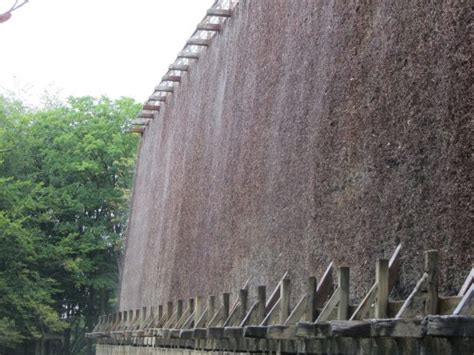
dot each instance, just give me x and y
(309, 131)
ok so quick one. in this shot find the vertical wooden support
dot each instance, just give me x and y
(160, 311)
(198, 309)
(211, 307)
(381, 279)
(431, 269)
(262, 299)
(310, 309)
(137, 315)
(343, 283)
(285, 294)
(179, 309)
(144, 313)
(169, 310)
(191, 305)
(243, 296)
(130, 316)
(225, 304)
(125, 318)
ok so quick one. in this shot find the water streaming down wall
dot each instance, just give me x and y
(308, 131)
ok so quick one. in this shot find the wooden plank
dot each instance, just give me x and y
(450, 326)
(163, 88)
(179, 67)
(397, 328)
(261, 299)
(466, 305)
(146, 115)
(282, 332)
(136, 130)
(188, 55)
(197, 309)
(172, 78)
(198, 42)
(318, 330)
(343, 285)
(365, 308)
(219, 12)
(215, 27)
(285, 295)
(351, 328)
(381, 279)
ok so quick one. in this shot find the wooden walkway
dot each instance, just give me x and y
(322, 321)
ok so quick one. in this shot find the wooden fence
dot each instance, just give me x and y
(322, 321)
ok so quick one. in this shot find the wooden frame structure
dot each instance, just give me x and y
(321, 321)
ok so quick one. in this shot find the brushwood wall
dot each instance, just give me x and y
(309, 131)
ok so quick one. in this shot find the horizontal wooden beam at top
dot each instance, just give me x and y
(188, 55)
(157, 98)
(216, 27)
(162, 88)
(179, 67)
(148, 107)
(198, 42)
(219, 12)
(174, 78)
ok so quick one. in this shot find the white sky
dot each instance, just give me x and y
(93, 47)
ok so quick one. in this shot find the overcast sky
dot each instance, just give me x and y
(93, 47)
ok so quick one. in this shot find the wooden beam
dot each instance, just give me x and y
(146, 115)
(285, 295)
(450, 326)
(188, 55)
(215, 27)
(198, 42)
(148, 107)
(381, 279)
(261, 299)
(343, 285)
(466, 305)
(162, 88)
(467, 283)
(219, 12)
(179, 67)
(137, 130)
(173, 78)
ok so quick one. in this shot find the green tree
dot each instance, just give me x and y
(65, 175)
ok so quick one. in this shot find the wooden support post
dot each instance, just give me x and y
(160, 311)
(211, 307)
(179, 309)
(225, 304)
(198, 309)
(191, 305)
(243, 296)
(173, 78)
(381, 279)
(310, 309)
(431, 269)
(144, 313)
(169, 310)
(285, 294)
(262, 299)
(130, 316)
(343, 283)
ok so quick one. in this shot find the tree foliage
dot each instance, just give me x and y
(65, 175)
